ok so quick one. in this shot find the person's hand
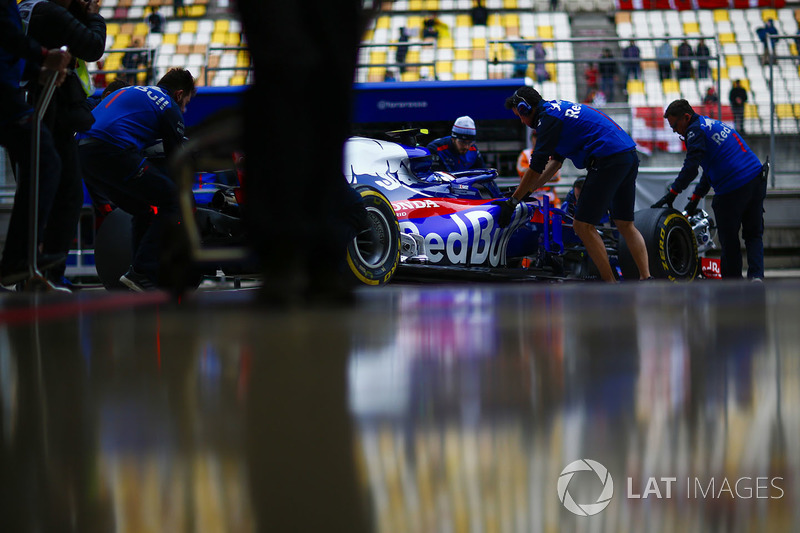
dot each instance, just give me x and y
(507, 208)
(691, 207)
(666, 200)
(56, 60)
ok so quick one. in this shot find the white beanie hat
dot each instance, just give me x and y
(464, 128)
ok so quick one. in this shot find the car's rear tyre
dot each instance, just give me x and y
(373, 255)
(112, 249)
(670, 242)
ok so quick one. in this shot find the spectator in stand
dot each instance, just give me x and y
(702, 64)
(763, 35)
(479, 14)
(633, 67)
(539, 66)
(155, 20)
(402, 50)
(389, 75)
(664, 58)
(457, 152)
(710, 101)
(521, 58)
(132, 60)
(22, 57)
(684, 62)
(178, 10)
(738, 99)
(608, 73)
(590, 75)
(78, 26)
(430, 27)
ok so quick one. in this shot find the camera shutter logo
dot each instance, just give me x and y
(585, 509)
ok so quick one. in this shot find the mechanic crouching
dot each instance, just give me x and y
(112, 160)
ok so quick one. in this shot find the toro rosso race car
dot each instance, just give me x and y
(430, 221)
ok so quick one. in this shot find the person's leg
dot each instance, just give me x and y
(595, 247)
(16, 138)
(728, 213)
(636, 245)
(622, 206)
(63, 221)
(753, 228)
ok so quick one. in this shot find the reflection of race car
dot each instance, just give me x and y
(447, 222)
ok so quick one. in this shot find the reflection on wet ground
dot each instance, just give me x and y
(519, 407)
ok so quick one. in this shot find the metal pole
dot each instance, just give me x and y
(770, 56)
(33, 201)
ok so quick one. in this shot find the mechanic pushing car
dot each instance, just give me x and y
(739, 180)
(112, 160)
(457, 152)
(592, 141)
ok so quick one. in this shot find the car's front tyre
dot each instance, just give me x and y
(374, 254)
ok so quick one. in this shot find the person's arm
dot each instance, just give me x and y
(172, 129)
(695, 151)
(51, 23)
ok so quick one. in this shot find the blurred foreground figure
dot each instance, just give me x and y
(302, 470)
(304, 57)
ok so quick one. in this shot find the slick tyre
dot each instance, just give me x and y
(670, 242)
(112, 249)
(374, 253)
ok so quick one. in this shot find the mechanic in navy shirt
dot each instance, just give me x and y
(458, 151)
(739, 180)
(112, 159)
(592, 141)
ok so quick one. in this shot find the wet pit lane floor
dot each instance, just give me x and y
(460, 407)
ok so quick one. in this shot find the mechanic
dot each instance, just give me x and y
(457, 152)
(592, 141)
(112, 159)
(16, 126)
(739, 180)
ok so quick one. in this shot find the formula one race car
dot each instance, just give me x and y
(446, 221)
(422, 221)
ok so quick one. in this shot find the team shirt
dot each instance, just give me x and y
(135, 117)
(578, 132)
(727, 161)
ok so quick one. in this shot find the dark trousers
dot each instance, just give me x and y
(16, 138)
(742, 208)
(136, 187)
(62, 224)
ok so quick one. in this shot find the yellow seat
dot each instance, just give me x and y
(769, 14)
(670, 86)
(545, 32)
(494, 20)
(123, 40)
(410, 75)
(413, 56)
(415, 5)
(234, 39)
(414, 21)
(784, 111)
(690, 28)
(721, 15)
(551, 69)
(635, 86)
(461, 76)
(463, 20)
(384, 23)
(140, 30)
(511, 20)
(446, 42)
(745, 84)
(189, 26)
(722, 74)
(112, 28)
(750, 111)
(796, 109)
(727, 38)
(377, 57)
(510, 4)
(170, 38)
(479, 42)
(219, 37)
(196, 11)
(733, 60)
(222, 26)
(444, 67)
(238, 80)
(462, 54)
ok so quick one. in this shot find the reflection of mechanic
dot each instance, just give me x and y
(739, 181)
(113, 162)
(458, 151)
(523, 162)
(593, 141)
